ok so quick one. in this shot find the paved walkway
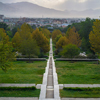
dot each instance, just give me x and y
(50, 88)
(17, 85)
(80, 99)
(17, 98)
(81, 85)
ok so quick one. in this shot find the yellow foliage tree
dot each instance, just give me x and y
(73, 36)
(55, 33)
(6, 53)
(62, 42)
(46, 32)
(24, 33)
(41, 40)
(94, 37)
(16, 41)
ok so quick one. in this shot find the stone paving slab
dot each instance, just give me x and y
(81, 85)
(80, 99)
(18, 98)
(17, 85)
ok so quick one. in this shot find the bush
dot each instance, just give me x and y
(92, 56)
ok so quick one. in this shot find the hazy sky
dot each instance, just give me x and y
(63, 4)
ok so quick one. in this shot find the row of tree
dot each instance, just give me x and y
(26, 41)
(84, 35)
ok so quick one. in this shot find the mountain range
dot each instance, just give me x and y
(26, 9)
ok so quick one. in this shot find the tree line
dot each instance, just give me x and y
(26, 40)
(81, 37)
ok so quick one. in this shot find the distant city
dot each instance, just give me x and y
(40, 22)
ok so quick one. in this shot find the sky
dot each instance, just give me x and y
(63, 4)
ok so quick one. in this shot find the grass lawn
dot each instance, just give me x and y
(23, 72)
(19, 92)
(80, 92)
(78, 72)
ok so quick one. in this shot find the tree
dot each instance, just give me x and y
(57, 38)
(94, 37)
(24, 33)
(29, 47)
(14, 30)
(41, 40)
(86, 28)
(70, 51)
(55, 33)
(3, 25)
(6, 53)
(46, 33)
(73, 36)
(62, 42)
(16, 41)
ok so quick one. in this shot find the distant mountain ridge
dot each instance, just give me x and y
(26, 9)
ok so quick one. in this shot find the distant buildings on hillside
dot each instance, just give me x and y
(40, 22)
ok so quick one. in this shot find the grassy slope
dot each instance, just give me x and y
(78, 72)
(23, 72)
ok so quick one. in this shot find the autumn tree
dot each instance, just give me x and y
(41, 40)
(46, 32)
(61, 42)
(6, 53)
(73, 36)
(55, 33)
(57, 38)
(24, 33)
(70, 51)
(16, 41)
(94, 37)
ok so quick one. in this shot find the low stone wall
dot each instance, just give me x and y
(75, 59)
(31, 59)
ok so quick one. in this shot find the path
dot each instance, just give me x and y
(50, 86)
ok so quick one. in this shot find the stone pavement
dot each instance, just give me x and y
(36, 98)
(17, 85)
(61, 86)
(80, 99)
(19, 98)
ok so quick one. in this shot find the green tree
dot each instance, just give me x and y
(94, 37)
(23, 33)
(6, 53)
(3, 25)
(29, 47)
(70, 51)
(14, 30)
(86, 28)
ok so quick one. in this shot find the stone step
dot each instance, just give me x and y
(50, 87)
(50, 80)
(50, 72)
(50, 94)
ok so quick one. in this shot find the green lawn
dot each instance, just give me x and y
(78, 72)
(23, 72)
(80, 92)
(19, 92)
